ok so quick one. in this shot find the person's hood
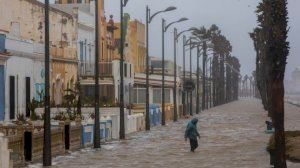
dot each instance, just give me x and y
(194, 121)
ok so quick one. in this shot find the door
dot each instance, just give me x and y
(27, 95)
(2, 93)
(12, 102)
(67, 137)
(28, 146)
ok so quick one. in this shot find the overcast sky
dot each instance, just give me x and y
(236, 18)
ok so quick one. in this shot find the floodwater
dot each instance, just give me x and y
(232, 136)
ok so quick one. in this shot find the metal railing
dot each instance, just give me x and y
(88, 69)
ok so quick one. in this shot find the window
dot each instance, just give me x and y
(15, 29)
(167, 96)
(81, 50)
(27, 95)
(157, 96)
(125, 69)
(130, 70)
(139, 95)
(12, 97)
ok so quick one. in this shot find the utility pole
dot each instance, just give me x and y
(47, 126)
(97, 89)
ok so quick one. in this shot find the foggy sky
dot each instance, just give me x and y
(236, 18)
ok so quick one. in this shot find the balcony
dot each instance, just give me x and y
(88, 69)
(106, 70)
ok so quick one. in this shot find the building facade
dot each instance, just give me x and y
(22, 64)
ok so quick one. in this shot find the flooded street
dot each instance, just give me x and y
(232, 136)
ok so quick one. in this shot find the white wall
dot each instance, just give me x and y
(127, 80)
(22, 67)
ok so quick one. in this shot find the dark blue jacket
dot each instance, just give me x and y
(191, 131)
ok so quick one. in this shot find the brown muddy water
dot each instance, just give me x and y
(232, 136)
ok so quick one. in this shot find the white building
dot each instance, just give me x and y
(21, 75)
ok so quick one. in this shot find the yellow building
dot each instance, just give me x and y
(135, 43)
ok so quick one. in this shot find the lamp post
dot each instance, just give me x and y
(183, 92)
(198, 81)
(184, 101)
(123, 3)
(204, 46)
(176, 36)
(164, 29)
(149, 18)
(47, 128)
(191, 94)
(97, 96)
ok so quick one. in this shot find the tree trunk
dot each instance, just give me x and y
(277, 104)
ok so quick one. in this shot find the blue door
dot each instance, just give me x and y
(2, 93)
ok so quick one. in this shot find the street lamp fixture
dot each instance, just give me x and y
(170, 24)
(149, 18)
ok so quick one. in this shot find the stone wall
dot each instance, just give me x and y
(4, 152)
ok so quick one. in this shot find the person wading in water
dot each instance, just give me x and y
(192, 133)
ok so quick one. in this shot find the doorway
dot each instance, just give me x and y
(67, 137)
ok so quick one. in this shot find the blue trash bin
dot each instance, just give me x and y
(87, 135)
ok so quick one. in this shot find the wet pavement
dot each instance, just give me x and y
(232, 136)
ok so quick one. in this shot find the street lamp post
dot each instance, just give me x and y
(176, 36)
(191, 92)
(164, 29)
(203, 74)
(175, 78)
(47, 127)
(163, 118)
(123, 3)
(183, 92)
(97, 96)
(149, 18)
(198, 81)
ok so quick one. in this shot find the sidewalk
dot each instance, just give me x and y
(232, 136)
